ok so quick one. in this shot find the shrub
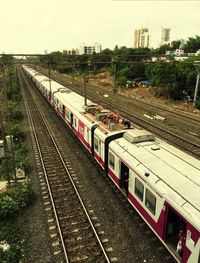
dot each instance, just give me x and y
(9, 233)
(8, 207)
(16, 115)
(16, 199)
(16, 132)
(198, 104)
(21, 159)
(12, 255)
(23, 194)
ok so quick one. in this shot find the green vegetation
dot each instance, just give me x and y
(198, 104)
(176, 77)
(12, 117)
(10, 234)
(17, 198)
(12, 203)
(170, 78)
(19, 195)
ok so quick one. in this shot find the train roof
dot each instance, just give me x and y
(68, 97)
(172, 173)
(108, 122)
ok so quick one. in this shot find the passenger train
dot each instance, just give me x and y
(160, 181)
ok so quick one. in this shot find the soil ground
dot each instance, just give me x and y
(148, 93)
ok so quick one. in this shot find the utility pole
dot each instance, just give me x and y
(84, 89)
(114, 63)
(73, 74)
(11, 153)
(49, 74)
(5, 148)
(197, 83)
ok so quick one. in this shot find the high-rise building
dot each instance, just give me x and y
(141, 38)
(85, 49)
(165, 37)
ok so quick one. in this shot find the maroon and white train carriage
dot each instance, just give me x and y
(163, 186)
(161, 182)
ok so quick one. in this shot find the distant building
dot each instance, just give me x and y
(71, 52)
(85, 49)
(177, 52)
(198, 52)
(141, 38)
(165, 37)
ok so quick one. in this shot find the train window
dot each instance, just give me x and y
(67, 114)
(111, 160)
(86, 134)
(96, 144)
(75, 123)
(139, 189)
(150, 201)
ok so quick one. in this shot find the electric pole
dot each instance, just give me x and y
(197, 83)
(8, 154)
(49, 74)
(73, 74)
(84, 89)
(114, 63)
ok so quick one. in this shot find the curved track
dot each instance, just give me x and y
(179, 140)
(75, 233)
(149, 237)
(144, 103)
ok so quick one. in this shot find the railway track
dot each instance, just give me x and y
(75, 236)
(148, 235)
(182, 142)
(144, 103)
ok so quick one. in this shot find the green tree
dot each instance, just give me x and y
(175, 44)
(161, 50)
(193, 44)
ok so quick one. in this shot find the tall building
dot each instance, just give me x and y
(85, 49)
(165, 37)
(141, 38)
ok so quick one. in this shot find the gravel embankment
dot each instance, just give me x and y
(127, 240)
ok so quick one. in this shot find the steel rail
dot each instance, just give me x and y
(169, 133)
(76, 190)
(45, 173)
(186, 115)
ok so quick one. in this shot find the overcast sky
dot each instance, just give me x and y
(32, 26)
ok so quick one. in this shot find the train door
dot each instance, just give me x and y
(124, 177)
(63, 111)
(100, 149)
(86, 134)
(175, 231)
(71, 119)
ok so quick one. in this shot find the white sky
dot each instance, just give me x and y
(32, 26)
